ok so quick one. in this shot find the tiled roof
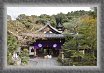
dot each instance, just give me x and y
(48, 25)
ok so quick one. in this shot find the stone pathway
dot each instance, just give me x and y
(43, 62)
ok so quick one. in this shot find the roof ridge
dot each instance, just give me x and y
(48, 24)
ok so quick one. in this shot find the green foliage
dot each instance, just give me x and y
(12, 46)
(9, 59)
(86, 39)
(24, 55)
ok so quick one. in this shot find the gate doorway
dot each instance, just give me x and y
(41, 52)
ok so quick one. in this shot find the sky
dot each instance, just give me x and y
(15, 11)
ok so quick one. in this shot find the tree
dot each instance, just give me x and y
(12, 45)
(24, 55)
(9, 18)
(86, 26)
(89, 31)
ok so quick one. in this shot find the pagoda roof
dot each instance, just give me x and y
(51, 27)
(40, 33)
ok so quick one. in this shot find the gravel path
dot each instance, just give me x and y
(43, 62)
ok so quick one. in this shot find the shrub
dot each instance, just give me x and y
(24, 56)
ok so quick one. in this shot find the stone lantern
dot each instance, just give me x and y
(62, 55)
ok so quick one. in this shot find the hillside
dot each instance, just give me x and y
(82, 23)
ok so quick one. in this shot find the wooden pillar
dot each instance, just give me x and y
(34, 52)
